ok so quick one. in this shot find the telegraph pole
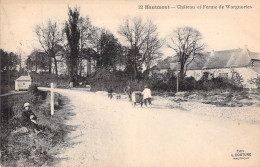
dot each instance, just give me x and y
(52, 100)
(177, 82)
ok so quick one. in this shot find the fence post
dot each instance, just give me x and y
(52, 100)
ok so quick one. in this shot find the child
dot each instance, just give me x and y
(29, 118)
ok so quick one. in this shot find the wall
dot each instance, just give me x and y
(246, 73)
(256, 63)
(22, 85)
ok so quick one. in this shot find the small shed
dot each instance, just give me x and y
(23, 83)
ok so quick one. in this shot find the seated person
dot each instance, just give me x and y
(29, 118)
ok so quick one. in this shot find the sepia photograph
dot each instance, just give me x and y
(130, 83)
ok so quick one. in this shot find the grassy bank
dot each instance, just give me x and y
(219, 98)
(26, 147)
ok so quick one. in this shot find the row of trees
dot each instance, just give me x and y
(11, 68)
(9, 61)
(79, 40)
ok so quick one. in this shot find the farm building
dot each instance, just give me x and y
(23, 83)
(226, 64)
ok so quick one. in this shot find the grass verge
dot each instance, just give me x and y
(25, 147)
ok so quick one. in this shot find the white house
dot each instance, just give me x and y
(226, 64)
(23, 83)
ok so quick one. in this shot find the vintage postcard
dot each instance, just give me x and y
(130, 83)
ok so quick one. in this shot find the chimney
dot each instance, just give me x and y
(212, 53)
(245, 47)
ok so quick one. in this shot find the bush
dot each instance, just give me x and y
(216, 83)
(163, 82)
(189, 84)
(256, 81)
(105, 79)
(8, 80)
(28, 148)
(168, 83)
(46, 79)
(33, 89)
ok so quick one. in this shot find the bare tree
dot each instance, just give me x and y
(151, 46)
(50, 38)
(96, 43)
(86, 35)
(186, 42)
(143, 41)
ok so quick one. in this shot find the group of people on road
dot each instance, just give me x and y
(146, 95)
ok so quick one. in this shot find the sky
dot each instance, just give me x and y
(222, 29)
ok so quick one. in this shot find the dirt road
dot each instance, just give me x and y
(112, 133)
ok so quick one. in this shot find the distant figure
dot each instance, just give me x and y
(118, 97)
(71, 85)
(29, 118)
(147, 95)
(128, 91)
(110, 93)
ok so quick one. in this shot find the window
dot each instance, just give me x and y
(252, 63)
(256, 64)
(223, 75)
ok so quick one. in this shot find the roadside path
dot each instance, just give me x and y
(112, 133)
(11, 93)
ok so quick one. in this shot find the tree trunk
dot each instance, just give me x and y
(56, 67)
(71, 71)
(50, 65)
(20, 63)
(181, 75)
(89, 66)
(135, 71)
(77, 65)
(80, 66)
(36, 64)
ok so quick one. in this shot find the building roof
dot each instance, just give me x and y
(24, 78)
(228, 58)
(218, 59)
(199, 62)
